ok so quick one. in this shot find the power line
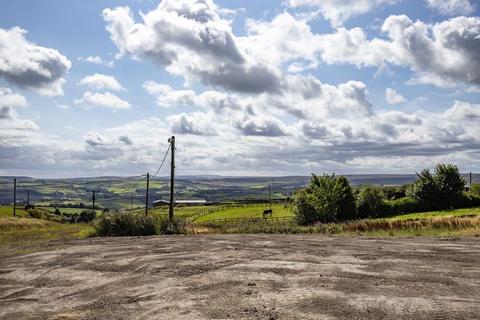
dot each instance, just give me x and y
(163, 161)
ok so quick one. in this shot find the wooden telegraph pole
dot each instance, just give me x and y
(172, 178)
(14, 195)
(269, 196)
(93, 202)
(146, 195)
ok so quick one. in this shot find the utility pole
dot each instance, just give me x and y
(172, 178)
(14, 195)
(28, 197)
(93, 201)
(470, 180)
(146, 195)
(269, 196)
(131, 201)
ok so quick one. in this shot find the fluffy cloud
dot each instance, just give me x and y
(100, 81)
(338, 11)
(10, 99)
(451, 7)
(103, 100)
(442, 53)
(31, 66)
(393, 97)
(97, 60)
(196, 123)
(192, 40)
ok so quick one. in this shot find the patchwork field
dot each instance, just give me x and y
(244, 277)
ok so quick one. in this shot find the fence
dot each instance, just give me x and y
(271, 219)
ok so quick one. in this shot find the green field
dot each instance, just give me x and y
(441, 213)
(247, 211)
(7, 211)
(20, 233)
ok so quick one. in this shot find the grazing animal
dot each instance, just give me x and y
(267, 213)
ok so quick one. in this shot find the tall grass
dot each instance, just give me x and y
(391, 227)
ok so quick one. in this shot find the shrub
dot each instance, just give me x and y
(399, 206)
(370, 202)
(326, 199)
(57, 212)
(130, 224)
(86, 216)
(36, 214)
(394, 192)
(475, 189)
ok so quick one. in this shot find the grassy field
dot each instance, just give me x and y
(442, 213)
(21, 232)
(248, 211)
(7, 211)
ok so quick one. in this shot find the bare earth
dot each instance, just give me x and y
(244, 277)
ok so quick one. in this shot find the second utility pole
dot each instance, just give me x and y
(172, 178)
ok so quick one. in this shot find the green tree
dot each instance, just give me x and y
(326, 199)
(450, 183)
(441, 190)
(370, 201)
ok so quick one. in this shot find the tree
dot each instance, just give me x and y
(325, 199)
(439, 191)
(370, 201)
(450, 183)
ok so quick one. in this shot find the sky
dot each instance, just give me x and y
(252, 88)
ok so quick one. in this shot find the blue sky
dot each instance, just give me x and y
(248, 87)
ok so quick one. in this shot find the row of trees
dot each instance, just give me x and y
(329, 198)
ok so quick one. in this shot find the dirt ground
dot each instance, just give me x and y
(244, 277)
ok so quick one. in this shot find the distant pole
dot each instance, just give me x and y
(146, 195)
(28, 197)
(14, 195)
(93, 201)
(269, 196)
(172, 178)
(131, 201)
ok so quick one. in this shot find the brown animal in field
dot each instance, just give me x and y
(267, 213)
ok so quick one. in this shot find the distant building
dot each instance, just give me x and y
(192, 202)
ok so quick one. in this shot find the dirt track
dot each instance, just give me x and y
(244, 277)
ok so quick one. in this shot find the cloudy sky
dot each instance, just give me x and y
(248, 87)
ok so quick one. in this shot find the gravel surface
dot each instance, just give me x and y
(244, 277)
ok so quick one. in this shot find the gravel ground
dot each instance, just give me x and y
(244, 277)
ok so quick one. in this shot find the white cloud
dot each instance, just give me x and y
(10, 99)
(31, 66)
(100, 81)
(97, 60)
(103, 100)
(393, 97)
(441, 54)
(196, 123)
(192, 40)
(338, 11)
(452, 7)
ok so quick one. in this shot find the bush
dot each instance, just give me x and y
(326, 199)
(399, 206)
(130, 224)
(394, 192)
(57, 212)
(36, 214)
(86, 216)
(442, 190)
(475, 189)
(370, 202)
